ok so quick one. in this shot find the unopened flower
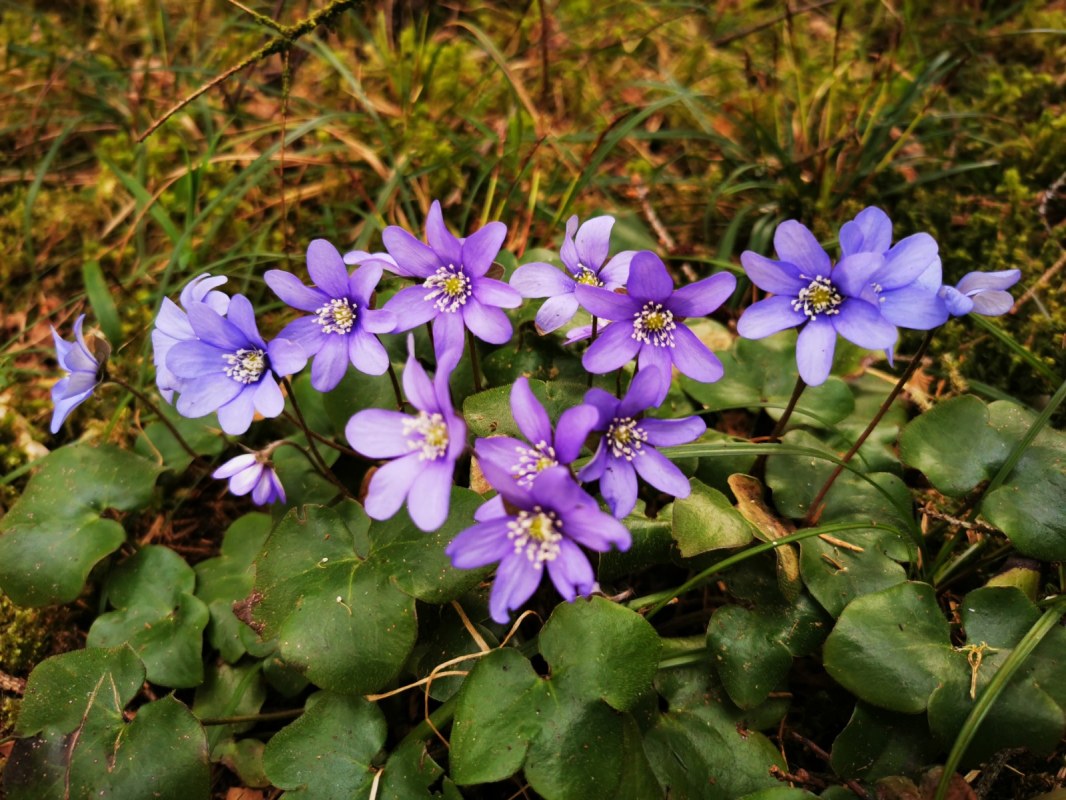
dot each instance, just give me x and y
(982, 293)
(229, 368)
(85, 367)
(172, 326)
(423, 449)
(545, 448)
(823, 299)
(342, 325)
(536, 528)
(627, 447)
(584, 256)
(648, 322)
(252, 472)
(454, 292)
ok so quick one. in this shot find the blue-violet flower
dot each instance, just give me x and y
(85, 370)
(983, 293)
(342, 326)
(454, 292)
(821, 298)
(584, 255)
(423, 447)
(229, 368)
(252, 472)
(652, 329)
(545, 524)
(172, 326)
(627, 448)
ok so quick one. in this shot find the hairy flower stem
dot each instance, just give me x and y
(321, 464)
(318, 437)
(155, 409)
(759, 467)
(267, 716)
(327, 474)
(475, 366)
(400, 405)
(815, 510)
(592, 340)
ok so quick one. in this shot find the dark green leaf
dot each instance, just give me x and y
(706, 520)
(878, 743)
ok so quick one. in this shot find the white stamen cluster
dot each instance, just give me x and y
(587, 277)
(626, 438)
(336, 316)
(820, 297)
(536, 533)
(427, 433)
(532, 461)
(878, 288)
(654, 325)
(246, 365)
(449, 288)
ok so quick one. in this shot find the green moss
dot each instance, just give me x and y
(27, 636)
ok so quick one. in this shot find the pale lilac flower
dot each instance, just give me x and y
(983, 293)
(252, 472)
(905, 286)
(823, 299)
(627, 448)
(584, 256)
(648, 322)
(342, 325)
(172, 326)
(545, 448)
(544, 525)
(229, 368)
(423, 447)
(454, 292)
(85, 370)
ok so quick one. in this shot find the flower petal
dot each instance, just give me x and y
(661, 473)
(529, 414)
(502, 451)
(670, 432)
(516, 580)
(556, 312)
(214, 329)
(367, 353)
(195, 359)
(614, 347)
(591, 528)
(814, 351)
(607, 405)
(377, 320)
(594, 469)
(795, 244)
(854, 274)
(575, 425)
(693, 358)
(412, 257)
(206, 393)
(568, 252)
(390, 486)
(958, 304)
(233, 466)
(306, 333)
(701, 298)
(608, 305)
(269, 401)
(245, 480)
(488, 323)
(410, 308)
(779, 277)
(539, 279)
(330, 364)
(992, 303)
(481, 248)
(431, 493)
(449, 336)
(618, 485)
(490, 509)
(236, 416)
(593, 241)
(869, 232)
(480, 545)
(571, 572)
(418, 387)
(242, 315)
(363, 281)
(378, 433)
(642, 393)
(615, 273)
(648, 280)
(492, 292)
(912, 307)
(286, 357)
(442, 240)
(862, 324)
(907, 260)
(292, 291)
(983, 281)
(769, 316)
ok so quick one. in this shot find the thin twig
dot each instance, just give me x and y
(155, 409)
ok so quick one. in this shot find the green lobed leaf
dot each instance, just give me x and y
(228, 691)
(340, 618)
(878, 743)
(327, 753)
(409, 773)
(157, 615)
(706, 520)
(1030, 507)
(892, 648)
(54, 535)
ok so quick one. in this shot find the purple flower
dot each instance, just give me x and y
(343, 325)
(252, 472)
(810, 292)
(454, 291)
(584, 257)
(905, 287)
(652, 330)
(229, 368)
(172, 326)
(424, 448)
(627, 448)
(85, 370)
(544, 524)
(981, 292)
(545, 449)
